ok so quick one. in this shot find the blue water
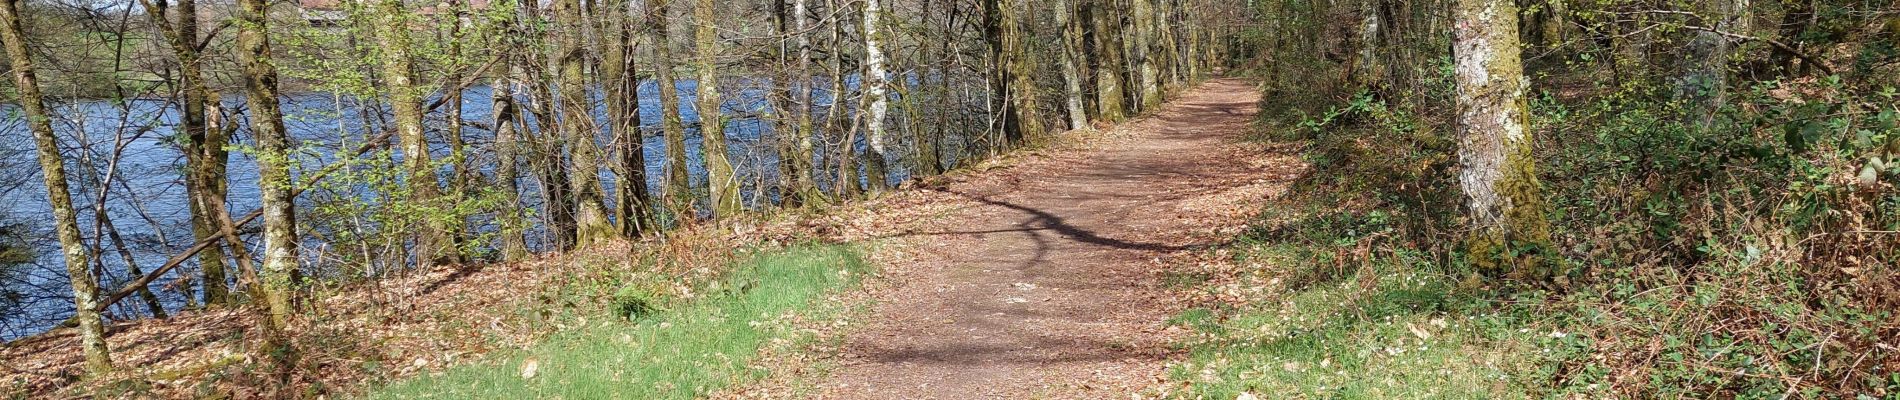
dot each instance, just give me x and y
(149, 209)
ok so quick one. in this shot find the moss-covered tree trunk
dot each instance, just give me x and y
(506, 114)
(1146, 53)
(1169, 47)
(274, 181)
(455, 225)
(53, 172)
(1018, 66)
(678, 196)
(544, 156)
(1191, 44)
(1110, 100)
(1497, 172)
(591, 224)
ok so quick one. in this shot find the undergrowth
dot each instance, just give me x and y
(641, 349)
(1747, 252)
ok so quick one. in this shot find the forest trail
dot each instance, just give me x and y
(1045, 280)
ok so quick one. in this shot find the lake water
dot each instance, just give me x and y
(147, 200)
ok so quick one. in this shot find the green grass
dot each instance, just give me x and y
(680, 353)
(1398, 330)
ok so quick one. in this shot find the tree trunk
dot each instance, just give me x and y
(621, 82)
(679, 191)
(405, 102)
(545, 156)
(801, 182)
(53, 172)
(836, 121)
(591, 225)
(1022, 86)
(203, 146)
(514, 245)
(1497, 172)
(874, 81)
(929, 162)
(1108, 63)
(274, 180)
(1366, 70)
(453, 234)
(1071, 74)
(722, 181)
(1704, 80)
(1145, 53)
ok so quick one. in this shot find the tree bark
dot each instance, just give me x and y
(274, 180)
(1145, 53)
(874, 81)
(453, 234)
(1704, 81)
(546, 158)
(838, 116)
(1497, 172)
(802, 142)
(1011, 82)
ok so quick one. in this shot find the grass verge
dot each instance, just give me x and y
(1393, 327)
(678, 353)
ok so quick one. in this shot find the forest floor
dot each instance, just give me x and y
(1047, 279)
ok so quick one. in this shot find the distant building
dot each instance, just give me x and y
(322, 13)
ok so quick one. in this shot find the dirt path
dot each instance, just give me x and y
(1043, 283)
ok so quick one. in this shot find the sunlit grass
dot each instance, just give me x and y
(671, 354)
(1399, 331)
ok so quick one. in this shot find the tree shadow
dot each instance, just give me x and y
(1041, 220)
